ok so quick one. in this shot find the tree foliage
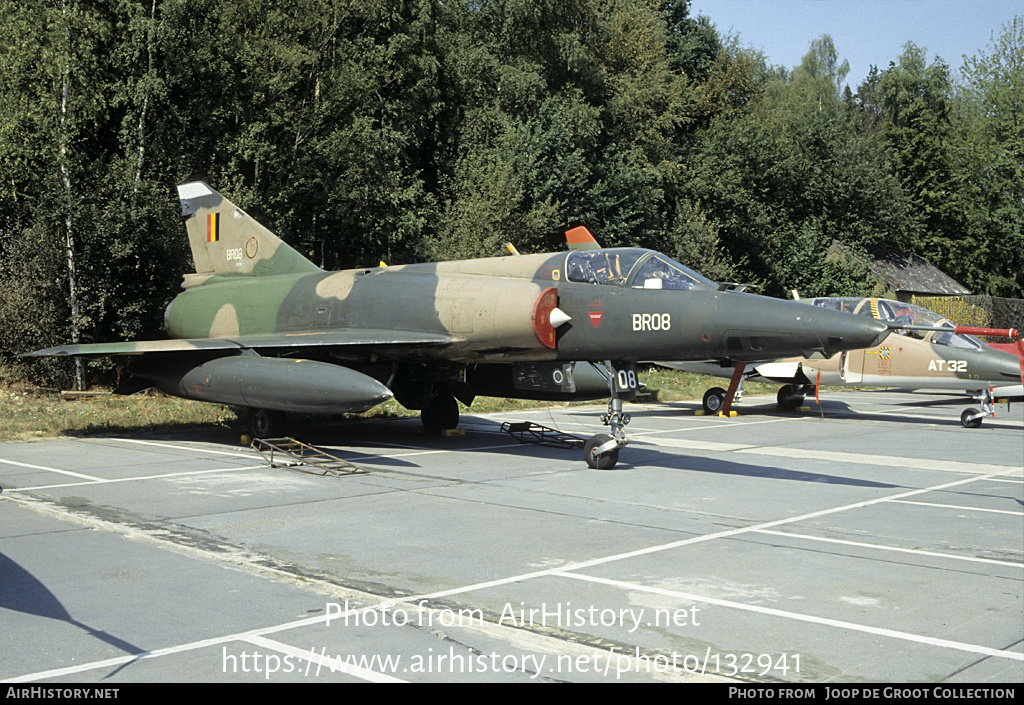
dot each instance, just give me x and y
(989, 160)
(405, 130)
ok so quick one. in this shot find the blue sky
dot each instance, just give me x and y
(865, 32)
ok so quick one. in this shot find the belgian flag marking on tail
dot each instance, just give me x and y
(212, 227)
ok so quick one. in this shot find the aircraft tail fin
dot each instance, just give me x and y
(226, 240)
(579, 238)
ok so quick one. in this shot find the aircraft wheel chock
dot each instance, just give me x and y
(971, 418)
(714, 398)
(605, 461)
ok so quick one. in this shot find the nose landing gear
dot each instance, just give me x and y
(971, 418)
(602, 450)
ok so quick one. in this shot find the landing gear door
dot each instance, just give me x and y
(626, 381)
(851, 366)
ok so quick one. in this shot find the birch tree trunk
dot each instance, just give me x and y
(63, 159)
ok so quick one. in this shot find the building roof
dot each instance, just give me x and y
(907, 272)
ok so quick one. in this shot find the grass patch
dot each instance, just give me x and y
(665, 385)
(28, 412)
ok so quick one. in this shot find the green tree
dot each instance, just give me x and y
(567, 114)
(919, 131)
(990, 161)
(320, 117)
(692, 43)
(57, 58)
(359, 122)
(783, 173)
(401, 130)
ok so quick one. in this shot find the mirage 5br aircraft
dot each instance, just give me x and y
(928, 352)
(260, 326)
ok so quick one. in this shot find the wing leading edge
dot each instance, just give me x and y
(276, 341)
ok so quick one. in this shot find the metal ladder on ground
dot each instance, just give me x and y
(529, 432)
(290, 453)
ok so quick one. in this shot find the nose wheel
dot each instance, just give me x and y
(601, 452)
(971, 418)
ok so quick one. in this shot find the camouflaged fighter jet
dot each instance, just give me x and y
(260, 326)
(929, 352)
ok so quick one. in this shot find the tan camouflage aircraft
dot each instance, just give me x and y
(929, 352)
(260, 326)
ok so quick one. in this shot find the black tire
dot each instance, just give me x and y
(264, 423)
(605, 461)
(440, 414)
(968, 420)
(789, 397)
(714, 399)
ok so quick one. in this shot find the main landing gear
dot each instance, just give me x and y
(440, 414)
(602, 451)
(791, 396)
(714, 399)
(434, 391)
(265, 423)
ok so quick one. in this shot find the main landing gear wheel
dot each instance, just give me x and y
(602, 461)
(789, 397)
(264, 423)
(440, 414)
(971, 418)
(714, 398)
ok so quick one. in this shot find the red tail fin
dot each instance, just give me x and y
(579, 238)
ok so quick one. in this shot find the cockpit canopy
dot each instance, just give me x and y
(907, 314)
(631, 267)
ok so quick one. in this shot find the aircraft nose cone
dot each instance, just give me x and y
(1010, 368)
(845, 331)
(777, 328)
